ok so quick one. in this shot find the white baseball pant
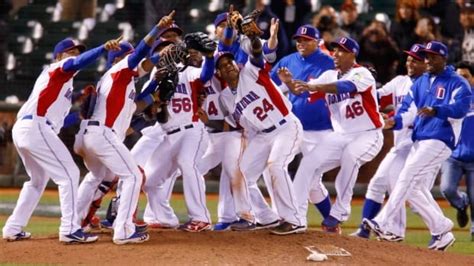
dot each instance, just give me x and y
(181, 150)
(414, 184)
(44, 156)
(275, 150)
(106, 152)
(349, 151)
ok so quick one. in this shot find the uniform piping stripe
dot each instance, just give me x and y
(285, 171)
(131, 172)
(67, 173)
(197, 175)
(418, 173)
(357, 164)
(241, 154)
(370, 106)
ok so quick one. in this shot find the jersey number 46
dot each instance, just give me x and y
(354, 109)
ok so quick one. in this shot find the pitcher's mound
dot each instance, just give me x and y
(217, 248)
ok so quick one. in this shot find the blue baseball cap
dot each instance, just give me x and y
(174, 28)
(438, 48)
(348, 44)
(307, 31)
(125, 48)
(158, 44)
(417, 51)
(220, 18)
(220, 55)
(66, 45)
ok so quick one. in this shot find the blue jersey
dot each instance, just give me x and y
(465, 149)
(448, 93)
(315, 115)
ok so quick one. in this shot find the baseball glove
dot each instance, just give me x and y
(172, 56)
(249, 24)
(234, 19)
(167, 86)
(199, 41)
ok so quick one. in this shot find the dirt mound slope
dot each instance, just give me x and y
(218, 248)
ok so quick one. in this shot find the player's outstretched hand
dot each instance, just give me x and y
(113, 45)
(427, 112)
(301, 86)
(285, 75)
(389, 123)
(166, 21)
(273, 40)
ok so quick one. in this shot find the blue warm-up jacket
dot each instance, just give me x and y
(448, 93)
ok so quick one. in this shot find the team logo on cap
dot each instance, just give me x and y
(415, 48)
(428, 46)
(304, 30)
(343, 40)
(440, 93)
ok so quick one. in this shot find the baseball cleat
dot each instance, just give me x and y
(286, 228)
(243, 225)
(106, 224)
(161, 226)
(78, 237)
(221, 226)
(270, 225)
(136, 238)
(390, 237)
(441, 242)
(461, 217)
(331, 225)
(141, 228)
(20, 236)
(372, 226)
(196, 226)
(362, 233)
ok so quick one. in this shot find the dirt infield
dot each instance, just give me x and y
(218, 248)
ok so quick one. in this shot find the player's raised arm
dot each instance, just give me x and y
(86, 58)
(145, 45)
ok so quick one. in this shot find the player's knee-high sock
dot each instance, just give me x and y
(324, 207)
(370, 209)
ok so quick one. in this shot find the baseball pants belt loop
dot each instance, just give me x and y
(270, 129)
(179, 129)
(93, 123)
(30, 117)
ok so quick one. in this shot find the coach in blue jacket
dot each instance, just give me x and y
(438, 101)
(305, 64)
(461, 163)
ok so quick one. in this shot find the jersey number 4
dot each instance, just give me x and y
(260, 112)
(353, 110)
(212, 109)
(181, 104)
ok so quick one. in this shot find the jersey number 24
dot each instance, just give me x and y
(260, 112)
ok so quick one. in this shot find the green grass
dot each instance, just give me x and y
(417, 235)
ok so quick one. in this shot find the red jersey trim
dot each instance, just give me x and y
(57, 79)
(276, 98)
(196, 89)
(370, 106)
(116, 97)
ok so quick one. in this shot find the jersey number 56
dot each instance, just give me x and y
(181, 104)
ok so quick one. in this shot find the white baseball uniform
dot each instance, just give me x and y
(387, 173)
(357, 139)
(184, 145)
(274, 135)
(43, 154)
(104, 148)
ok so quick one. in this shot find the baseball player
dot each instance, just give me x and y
(264, 113)
(460, 163)
(220, 149)
(305, 64)
(387, 173)
(184, 145)
(42, 152)
(350, 95)
(105, 153)
(441, 99)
